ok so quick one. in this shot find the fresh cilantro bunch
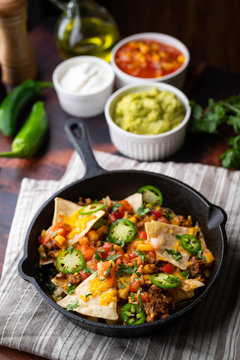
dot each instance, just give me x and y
(219, 112)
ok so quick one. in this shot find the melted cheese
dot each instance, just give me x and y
(108, 297)
(97, 287)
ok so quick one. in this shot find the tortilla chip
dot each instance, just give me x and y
(67, 212)
(135, 200)
(61, 283)
(166, 233)
(185, 289)
(91, 305)
(45, 262)
(65, 207)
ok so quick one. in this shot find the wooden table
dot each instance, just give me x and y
(50, 163)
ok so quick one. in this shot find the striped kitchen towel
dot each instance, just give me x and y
(211, 331)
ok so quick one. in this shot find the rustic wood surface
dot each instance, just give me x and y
(50, 163)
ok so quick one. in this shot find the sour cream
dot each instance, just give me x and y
(84, 78)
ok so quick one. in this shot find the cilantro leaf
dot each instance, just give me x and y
(231, 158)
(185, 274)
(176, 255)
(116, 207)
(89, 271)
(86, 296)
(100, 222)
(140, 255)
(71, 289)
(113, 257)
(98, 256)
(72, 306)
(122, 286)
(200, 255)
(143, 210)
(125, 269)
(109, 270)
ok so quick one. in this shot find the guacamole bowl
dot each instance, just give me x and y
(140, 146)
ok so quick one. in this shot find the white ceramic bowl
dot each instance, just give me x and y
(146, 147)
(176, 78)
(83, 105)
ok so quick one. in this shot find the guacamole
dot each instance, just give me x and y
(149, 112)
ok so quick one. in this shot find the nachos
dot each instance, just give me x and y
(125, 262)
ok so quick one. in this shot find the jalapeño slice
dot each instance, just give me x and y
(133, 314)
(151, 195)
(90, 209)
(189, 243)
(70, 261)
(121, 232)
(165, 281)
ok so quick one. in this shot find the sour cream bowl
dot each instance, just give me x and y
(83, 84)
(175, 78)
(146, 147)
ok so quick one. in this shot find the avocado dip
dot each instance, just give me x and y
(149, 112)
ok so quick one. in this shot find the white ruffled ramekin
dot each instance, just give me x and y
(146, 147)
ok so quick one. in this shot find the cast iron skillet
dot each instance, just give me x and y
(98, 183)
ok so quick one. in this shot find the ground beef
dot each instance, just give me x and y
(159, 306)
(74, 279)
(196, 268)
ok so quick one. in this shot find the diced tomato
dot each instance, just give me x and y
(107, 247)
(157, 214)
(134, 286)
(118, 215)
(62, 229)
(144, 296)
(86, 251)
(168, 268)
(88, 254)
(126, 205)
(132, 255)
(84, 275)
(143, 235)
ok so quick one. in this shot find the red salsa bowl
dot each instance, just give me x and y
(150, 56)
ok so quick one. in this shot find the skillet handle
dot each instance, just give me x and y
(78, 136)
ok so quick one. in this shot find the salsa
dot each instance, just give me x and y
(148, 59)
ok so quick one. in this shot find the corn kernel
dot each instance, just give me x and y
(209, 257)
(144, 247)
(191, 231)
(60, 239)
(93, 235)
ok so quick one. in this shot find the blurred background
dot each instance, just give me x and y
(209, 28)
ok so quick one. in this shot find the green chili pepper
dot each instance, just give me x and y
(189, 243)
(121, 232)
(151, 195)
(133, 314)
(70, 261)
(90, 209)
(31, 135)
(26, 93)
(165, 281)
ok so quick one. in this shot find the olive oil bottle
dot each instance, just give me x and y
(85, 28)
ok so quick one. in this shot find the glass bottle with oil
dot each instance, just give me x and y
(85, 28)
